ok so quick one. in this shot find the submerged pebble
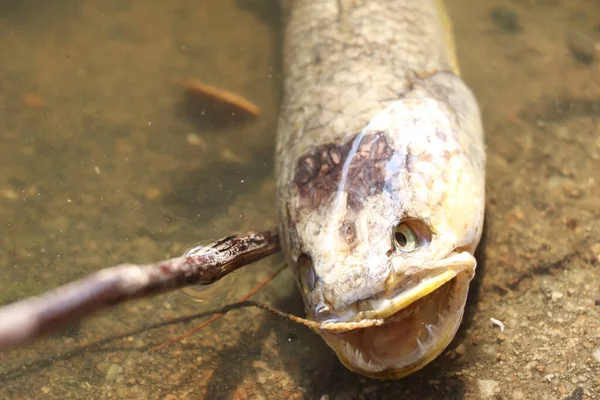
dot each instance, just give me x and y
(596, 354)
(506, 19)
(113, 371)
(582, 42)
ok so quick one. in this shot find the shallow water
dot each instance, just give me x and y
(102, 161)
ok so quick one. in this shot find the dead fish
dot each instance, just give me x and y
(380, 177)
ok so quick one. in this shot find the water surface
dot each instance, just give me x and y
(103, 161)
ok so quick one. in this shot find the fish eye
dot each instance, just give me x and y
(405, 238)
(411, 234)
(306, 273)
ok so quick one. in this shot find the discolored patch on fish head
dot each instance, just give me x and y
(385, 226)
(318, 174)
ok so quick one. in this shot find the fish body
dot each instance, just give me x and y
(380, 177)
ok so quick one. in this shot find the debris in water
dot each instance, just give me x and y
(214, 100)
(33, 101)
(196, 140)
(498, 323)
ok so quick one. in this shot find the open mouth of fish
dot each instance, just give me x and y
(420, 321)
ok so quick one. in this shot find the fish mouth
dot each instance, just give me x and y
(420, 321)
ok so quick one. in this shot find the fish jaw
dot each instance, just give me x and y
(420, 322)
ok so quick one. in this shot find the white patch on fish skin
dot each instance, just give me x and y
(336, 266)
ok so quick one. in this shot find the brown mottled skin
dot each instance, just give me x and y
(376, 127)
(319, 172)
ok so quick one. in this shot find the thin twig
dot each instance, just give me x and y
(332, 327)
(22, 321)
(217, 316)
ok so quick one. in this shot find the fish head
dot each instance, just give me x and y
(386, 228)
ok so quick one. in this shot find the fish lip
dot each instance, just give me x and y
(384, 308)
(438, 273)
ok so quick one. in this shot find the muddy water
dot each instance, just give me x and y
(103, 161)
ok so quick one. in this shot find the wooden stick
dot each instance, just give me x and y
(22, 321)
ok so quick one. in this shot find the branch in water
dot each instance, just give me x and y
(31, 318)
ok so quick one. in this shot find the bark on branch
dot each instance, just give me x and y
(22, 321)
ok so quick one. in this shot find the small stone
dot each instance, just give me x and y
(45, 389)
(487, 388)
(571, 223)
(582, 378)
(231, 157)
(240, 394)
(515, 215)
(562, 390)
(518, 395)
(461, 349)
(152, 194)
(576, 394)
(102, 367)
(9, 194)
(262, 376)
(556, 296)
(195, 140)
(596, 250)
(554, 368)
(501, 338)
(562, 133)
(572, 191)
(370, 389)
(33, 101)
(260, 364)
(581, 43)
(115, 360)
(506, 19)
(112, 372)
(596, 354)
(541, 369)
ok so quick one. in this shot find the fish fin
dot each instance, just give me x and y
(448, 35)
